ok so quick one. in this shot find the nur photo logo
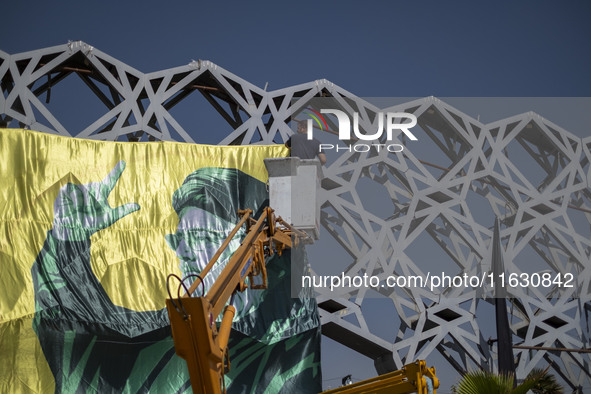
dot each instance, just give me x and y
(390, 123)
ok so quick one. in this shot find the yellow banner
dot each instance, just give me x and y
(129, 254)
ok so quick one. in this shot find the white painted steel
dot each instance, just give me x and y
(537, 215)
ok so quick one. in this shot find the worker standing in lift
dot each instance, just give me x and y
(302, 147)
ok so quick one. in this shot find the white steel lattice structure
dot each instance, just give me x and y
(545, 216)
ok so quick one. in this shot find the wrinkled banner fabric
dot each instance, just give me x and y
(89, 232)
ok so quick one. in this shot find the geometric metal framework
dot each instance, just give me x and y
(528, 172)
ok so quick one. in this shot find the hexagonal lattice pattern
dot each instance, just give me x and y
(525, 170)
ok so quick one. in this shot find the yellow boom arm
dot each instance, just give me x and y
(412, 378)
(205, 347)
(192, 319)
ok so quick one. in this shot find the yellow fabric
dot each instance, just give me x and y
(34, 166)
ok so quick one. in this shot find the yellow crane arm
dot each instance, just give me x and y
(204, 347)
(412, 378)
(193, 319)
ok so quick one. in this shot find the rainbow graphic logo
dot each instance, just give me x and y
(315, 115)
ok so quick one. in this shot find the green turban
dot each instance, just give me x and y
(220, 191)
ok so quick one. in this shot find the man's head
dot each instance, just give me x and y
(302, 126)
(207, 204)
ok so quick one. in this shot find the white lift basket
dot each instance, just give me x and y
(294, 187)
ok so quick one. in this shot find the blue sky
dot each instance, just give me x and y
(372, 49)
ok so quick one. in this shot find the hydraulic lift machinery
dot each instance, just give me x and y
(197, 337)
(204, 346)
